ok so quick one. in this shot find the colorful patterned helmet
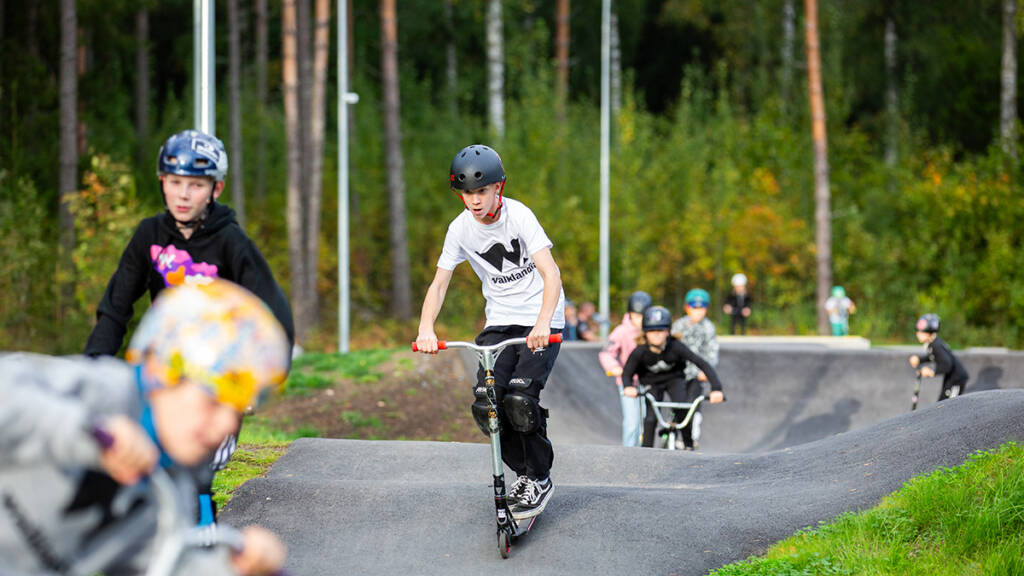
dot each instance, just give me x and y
(193, 153)
(698, 298)
(928, 323)
(219, 336)
(638, 302)
(739, 279)
(838, 292)
(656, 318)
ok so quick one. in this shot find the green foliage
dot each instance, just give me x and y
(963, 520)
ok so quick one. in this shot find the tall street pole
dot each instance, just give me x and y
(203, 66)
(606, 26)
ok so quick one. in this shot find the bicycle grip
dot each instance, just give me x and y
(102, 437)
(441, 345)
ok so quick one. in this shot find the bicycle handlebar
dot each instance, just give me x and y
(444, 344)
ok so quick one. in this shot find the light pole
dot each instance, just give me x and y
(204, 106)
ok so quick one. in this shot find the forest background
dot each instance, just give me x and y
(711, 163)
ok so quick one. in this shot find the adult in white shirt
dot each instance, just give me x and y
(510, 253)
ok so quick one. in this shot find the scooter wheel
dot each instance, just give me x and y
(504, 543)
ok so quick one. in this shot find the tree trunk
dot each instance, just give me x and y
(822, 211)
(68, 150)
(451, 61)
(315, 161)
(261, 98)
(562, 56)
(495, 68)
(141, 89)
(235, 112)
(788, 42)
(1008, 104)
(290, 79)
(892, 103)
(401, 299)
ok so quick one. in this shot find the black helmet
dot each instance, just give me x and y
(638, 302)
(657, 318)
(475, 166)
(928, 323)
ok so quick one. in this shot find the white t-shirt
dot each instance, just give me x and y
(501, 255)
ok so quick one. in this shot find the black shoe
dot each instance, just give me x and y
(533, 499)
(515, 492)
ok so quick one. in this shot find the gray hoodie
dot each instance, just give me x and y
(59, 512)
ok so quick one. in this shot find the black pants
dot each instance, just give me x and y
(738, 319)
(952, 388)
(525, 453)
(677, 392)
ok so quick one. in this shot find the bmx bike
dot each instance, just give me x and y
(508, 528)
(670, 432)
(175, 534)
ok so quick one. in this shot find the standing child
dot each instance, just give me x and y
(938, 353)
(737, 304)
(192, 242)
(511, 254)
(698, 333)
(659, 362)
(839, 307)
(621, 343)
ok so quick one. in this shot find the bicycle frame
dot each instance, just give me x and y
(674, 428)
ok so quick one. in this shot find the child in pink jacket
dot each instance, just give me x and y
(621, 343)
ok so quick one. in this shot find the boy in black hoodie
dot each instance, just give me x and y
(192, 242)
(938, 353)
(660, 364)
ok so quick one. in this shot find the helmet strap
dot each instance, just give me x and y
(497, 211)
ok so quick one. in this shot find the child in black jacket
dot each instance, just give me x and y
(938, 353)
(660, 364)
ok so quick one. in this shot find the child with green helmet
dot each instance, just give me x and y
(698, 333)
(839, 307)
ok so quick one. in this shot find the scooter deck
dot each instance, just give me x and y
(523, 526)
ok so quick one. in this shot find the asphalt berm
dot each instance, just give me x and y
(807, 434)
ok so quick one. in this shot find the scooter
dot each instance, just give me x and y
(508, 527)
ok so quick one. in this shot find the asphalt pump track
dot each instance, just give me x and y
(806, 435)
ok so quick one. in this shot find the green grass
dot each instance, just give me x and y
(315, 371)
(965, 520)
(259, 446)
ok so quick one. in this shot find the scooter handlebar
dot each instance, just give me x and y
(443, 344)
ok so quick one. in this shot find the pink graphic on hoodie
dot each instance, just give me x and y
(177, 267)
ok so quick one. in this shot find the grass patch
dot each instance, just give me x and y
(259, 446)
(315, 371)
(958, 521)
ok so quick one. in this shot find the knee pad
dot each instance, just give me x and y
(523, 412)
(481, 407)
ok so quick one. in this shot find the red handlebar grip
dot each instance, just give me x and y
(441, 345)
(554, 338)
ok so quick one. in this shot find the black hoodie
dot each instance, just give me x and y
(158, 256)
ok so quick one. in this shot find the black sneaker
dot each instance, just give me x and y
(533, 499)
(515, 491)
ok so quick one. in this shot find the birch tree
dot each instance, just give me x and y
(68, 150)
(892, 104)
(141, 87)
(1008, 103)
(562, 56)
(495, 68)
(235, 112)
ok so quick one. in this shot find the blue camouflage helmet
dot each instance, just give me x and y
(656, 318)
(193, 153)
(638, 302)
(698, 298)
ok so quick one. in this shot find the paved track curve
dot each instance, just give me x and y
(806, 435)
